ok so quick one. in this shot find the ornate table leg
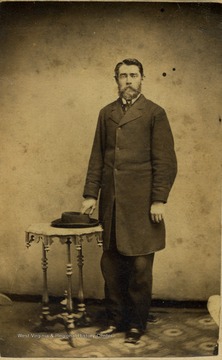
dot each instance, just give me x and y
(83, 319)
(45, 296)
(45, 315)
(69, 306)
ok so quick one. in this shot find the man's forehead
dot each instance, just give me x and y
(129, 69)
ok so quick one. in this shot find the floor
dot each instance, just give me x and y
(178, 332)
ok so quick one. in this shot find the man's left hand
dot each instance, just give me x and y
(157, 212)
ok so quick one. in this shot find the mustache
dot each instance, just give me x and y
(129, 87)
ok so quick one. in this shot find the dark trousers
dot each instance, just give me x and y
(128, 286)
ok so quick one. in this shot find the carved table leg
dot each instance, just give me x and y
(45, 315)
(45, 296)
(83, 319)
(69, 306)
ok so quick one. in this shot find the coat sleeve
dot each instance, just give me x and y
(164, 162)
(95, 166)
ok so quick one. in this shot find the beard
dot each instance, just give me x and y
(129, 92)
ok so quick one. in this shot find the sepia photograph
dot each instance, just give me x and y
(110, 179)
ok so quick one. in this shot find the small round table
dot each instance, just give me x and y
(46, 234)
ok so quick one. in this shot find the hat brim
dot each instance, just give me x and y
(60, 224)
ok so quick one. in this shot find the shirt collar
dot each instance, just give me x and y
(133, 100)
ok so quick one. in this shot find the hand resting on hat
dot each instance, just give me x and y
(88, 206)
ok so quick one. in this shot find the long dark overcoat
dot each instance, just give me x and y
(134, 164)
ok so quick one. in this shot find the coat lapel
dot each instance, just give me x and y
(116, 111)
(133, 113)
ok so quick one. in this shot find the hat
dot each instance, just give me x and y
(72, 219)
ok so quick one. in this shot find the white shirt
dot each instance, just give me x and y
(133, 100)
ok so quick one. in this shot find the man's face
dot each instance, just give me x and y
(129, 81)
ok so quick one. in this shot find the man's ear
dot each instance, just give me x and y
(115, 77)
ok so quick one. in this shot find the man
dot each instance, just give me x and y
(133, 163)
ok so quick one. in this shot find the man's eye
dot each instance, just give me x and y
(122, 76)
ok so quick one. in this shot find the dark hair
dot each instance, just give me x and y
(128, 62)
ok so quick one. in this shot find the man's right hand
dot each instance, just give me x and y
(88, 206)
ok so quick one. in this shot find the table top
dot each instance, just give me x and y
(48, 230)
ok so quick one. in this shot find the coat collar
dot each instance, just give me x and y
(133, 113)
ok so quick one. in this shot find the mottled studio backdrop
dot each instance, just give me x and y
(56, 72)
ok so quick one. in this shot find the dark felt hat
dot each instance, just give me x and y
(73, 219)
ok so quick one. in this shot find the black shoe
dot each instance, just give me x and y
(133, 336)
(107, 331)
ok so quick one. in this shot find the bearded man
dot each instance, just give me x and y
(133, 163)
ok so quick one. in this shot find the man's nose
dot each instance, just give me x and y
(128, 80)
